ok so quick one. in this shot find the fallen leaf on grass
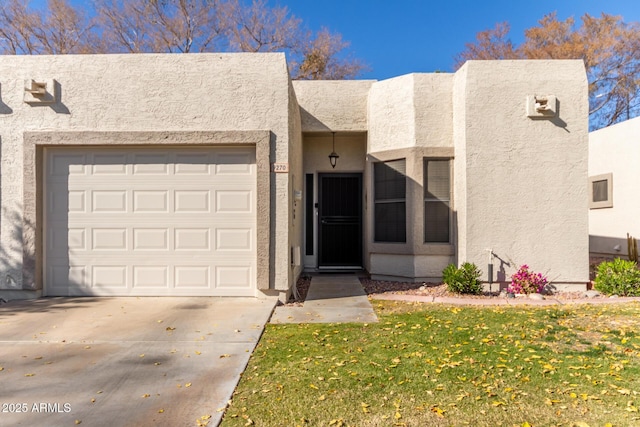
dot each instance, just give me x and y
(436, 410)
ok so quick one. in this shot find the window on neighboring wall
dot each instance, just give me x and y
(390, 210)
(437, 200)
(601, 191)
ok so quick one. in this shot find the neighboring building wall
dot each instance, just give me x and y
(146, 93)
(525, 178)
(616, 150)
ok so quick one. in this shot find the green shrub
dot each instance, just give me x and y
(463, 280)
(618, 277)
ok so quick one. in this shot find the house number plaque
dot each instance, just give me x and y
(281, 167)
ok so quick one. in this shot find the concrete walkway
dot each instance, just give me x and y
(331, 299)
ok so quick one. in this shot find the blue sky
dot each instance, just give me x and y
(396, 37)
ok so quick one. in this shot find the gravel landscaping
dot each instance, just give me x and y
(381, 287)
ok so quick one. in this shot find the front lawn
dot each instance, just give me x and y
(431, 365)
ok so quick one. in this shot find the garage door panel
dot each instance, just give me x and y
(109, 164)
(151, 276)
(234, 239)
(151, 201)
(160, 221)
(109, 277)
(195, 239)
(234, 201)
(151, 239)
(61, 166)
(151, 164)
(192, 201)
(234, 277)
(112, 201)
(109, 239)
(192, 276)
(236, 164)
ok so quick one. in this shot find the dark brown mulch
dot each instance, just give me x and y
(372, 287)
(302, 286)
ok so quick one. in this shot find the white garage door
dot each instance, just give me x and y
(150, 221)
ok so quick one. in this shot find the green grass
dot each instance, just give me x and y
(430, 365)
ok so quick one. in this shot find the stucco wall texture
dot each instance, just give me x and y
(518, 183)
(525, 194)
(109, 93)
(615, 150)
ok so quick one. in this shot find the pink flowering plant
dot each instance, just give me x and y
(525, 281)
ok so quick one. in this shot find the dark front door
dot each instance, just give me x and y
(340, 220)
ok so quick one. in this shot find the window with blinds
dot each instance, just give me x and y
(437, 200)
(390, 208)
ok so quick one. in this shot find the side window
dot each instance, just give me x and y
(601, 191)
(390, 207)
(437, 200)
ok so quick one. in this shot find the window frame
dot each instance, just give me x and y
(426, 200)
(608, 203)
(389, 201)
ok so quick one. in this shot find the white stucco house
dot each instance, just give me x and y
(614, 181)
(209, 174)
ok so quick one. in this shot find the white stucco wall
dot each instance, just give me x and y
(433, 102)
(327, 106)
(391, 114)
(525, 179)
(616, 150)
(296, 209)
(200, 92)
(411, 110)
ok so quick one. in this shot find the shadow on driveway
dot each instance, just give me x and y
(124, 361)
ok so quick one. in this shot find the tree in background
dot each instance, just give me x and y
(61, 30)
(609, 47)
(174, 26)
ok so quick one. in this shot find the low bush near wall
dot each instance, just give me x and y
(618, 277)
(463, 280)
(525, 281)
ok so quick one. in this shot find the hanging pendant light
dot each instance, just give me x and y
(333, 157)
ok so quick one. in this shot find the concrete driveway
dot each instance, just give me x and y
(124, 361)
